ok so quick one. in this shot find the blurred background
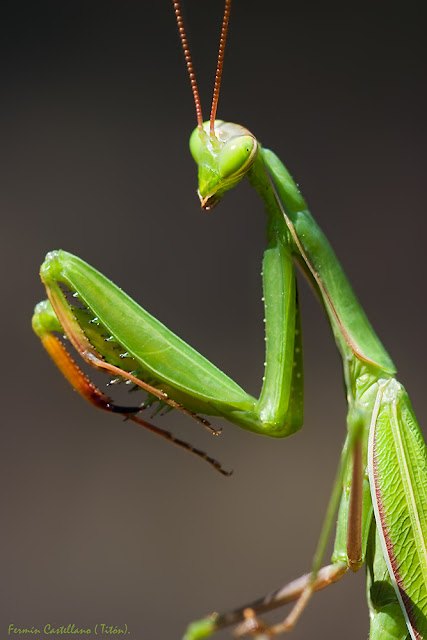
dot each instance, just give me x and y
(103, 523)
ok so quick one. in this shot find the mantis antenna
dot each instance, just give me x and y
(219, 66)
(189, 62)
(190, 67)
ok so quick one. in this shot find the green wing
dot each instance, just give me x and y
(397, 463)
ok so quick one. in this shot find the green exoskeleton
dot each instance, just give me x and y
(381, 487)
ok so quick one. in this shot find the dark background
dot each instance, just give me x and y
(105, 523)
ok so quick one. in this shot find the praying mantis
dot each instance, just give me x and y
(386, 367)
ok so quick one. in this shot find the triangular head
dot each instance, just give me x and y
(223, 159)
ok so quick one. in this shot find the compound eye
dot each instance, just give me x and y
(235, 155)
(196, 145)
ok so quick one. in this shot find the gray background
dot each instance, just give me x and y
(105, 523)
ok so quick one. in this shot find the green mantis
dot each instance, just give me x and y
(107, 332)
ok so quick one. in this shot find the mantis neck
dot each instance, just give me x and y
(290, 220)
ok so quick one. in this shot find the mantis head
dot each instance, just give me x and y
(223, 158)
(223, 151)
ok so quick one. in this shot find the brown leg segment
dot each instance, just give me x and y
(78, 380)
(354, 523)
(81, 383)
(298, 591)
